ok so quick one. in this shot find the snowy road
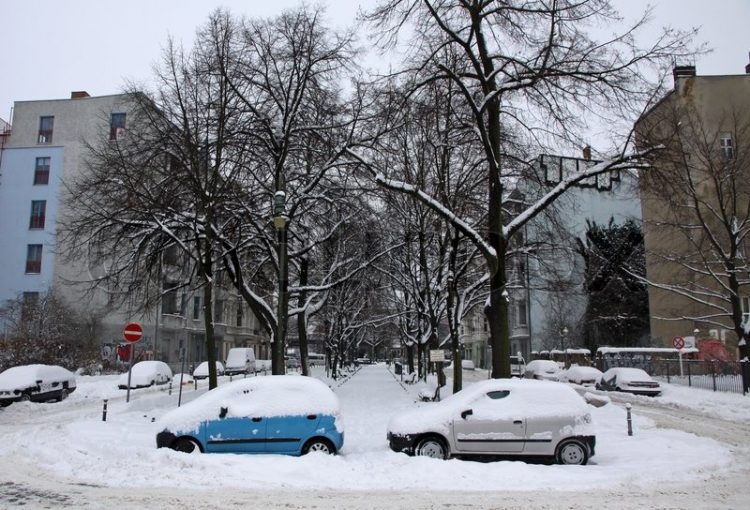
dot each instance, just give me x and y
(63, 456)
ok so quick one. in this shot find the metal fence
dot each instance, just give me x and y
(709, 375)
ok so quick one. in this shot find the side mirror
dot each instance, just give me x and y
(467, 413)
(223, 412)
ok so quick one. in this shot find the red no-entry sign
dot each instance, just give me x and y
(132, 332)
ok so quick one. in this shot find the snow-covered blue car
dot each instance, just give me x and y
(285, 414)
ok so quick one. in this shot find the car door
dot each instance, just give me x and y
(490, 425)
(235, 434)
(287, 434)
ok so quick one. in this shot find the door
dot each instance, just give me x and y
(236, 435)
(287, 434)
(489, 425)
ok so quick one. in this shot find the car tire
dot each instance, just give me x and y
(318, 444)
(25, 397)
(572, 452)
(63, 394)
(431, 446)
(187, 445)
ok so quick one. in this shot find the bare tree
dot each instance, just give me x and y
(526, 67)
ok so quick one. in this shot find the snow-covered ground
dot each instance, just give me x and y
(69, 441)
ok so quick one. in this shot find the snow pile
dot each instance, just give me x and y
(273, 395)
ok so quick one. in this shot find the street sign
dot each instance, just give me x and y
(437, 355)
(678, 342)
(132, 332)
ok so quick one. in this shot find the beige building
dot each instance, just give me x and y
(696, 207)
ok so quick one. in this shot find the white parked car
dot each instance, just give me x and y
(240, 360)
(632, 380)
(544, 369)
(180, 378)
(36, 383)
(500, 417)
(201, 371)
(585, 376)
(517, 366)
(146, 373)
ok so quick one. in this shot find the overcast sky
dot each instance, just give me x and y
(52, 47)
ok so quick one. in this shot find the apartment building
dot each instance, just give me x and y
(42, 148)
(695, 204)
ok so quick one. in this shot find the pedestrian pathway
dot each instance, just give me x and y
(368, 401)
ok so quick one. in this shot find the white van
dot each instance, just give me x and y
(240, 360)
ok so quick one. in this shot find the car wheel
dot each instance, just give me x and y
(186, 445)
(318, 445)
(432, 447)
(63, 394)
(25, 397)
(572, 452)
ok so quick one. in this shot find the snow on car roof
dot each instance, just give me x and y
(29, 374)
(527, 399)
(627, 374)
(272, 395)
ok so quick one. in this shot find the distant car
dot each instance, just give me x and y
(517, 366)
(36, 383)
(293, 364)
(240, 360)
(201, 371)
(178, 379)
(146, 373)
(631, 380)
(282, 414)
(500, 417)
(585, 376)
(543, 369)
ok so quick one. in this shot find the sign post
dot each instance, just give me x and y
(679, 344)
(132, 333)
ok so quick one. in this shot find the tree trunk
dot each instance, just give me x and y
(278, 366)
(302, 320)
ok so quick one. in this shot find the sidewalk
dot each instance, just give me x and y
(368, 401)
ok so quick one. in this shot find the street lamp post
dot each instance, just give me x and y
(280, 221)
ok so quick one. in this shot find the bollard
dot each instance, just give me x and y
(630, 420)
(170, 388)
(104, 411)
(196, 384)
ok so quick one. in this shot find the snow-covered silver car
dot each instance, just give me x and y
(37, 383)
(585, 376)
(632, 380)
(146, 373)
(500, 417)
(544, 369)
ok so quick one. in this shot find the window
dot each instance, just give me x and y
(219, 310)
(29, 304)
(196, 308)
(239, 314)
(34, 259)
(521, 313)
(38, 211)
(727, 146)
(169, 298)
(46, 125)
(117, 126)
(41, 171)
(497, 395)
(745, 303)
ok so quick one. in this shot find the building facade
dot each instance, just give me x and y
(696, 207)
(43, 147)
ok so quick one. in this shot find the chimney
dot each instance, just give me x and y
(747, 67)
(587, 153)
(79, 94)
(682, 72)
